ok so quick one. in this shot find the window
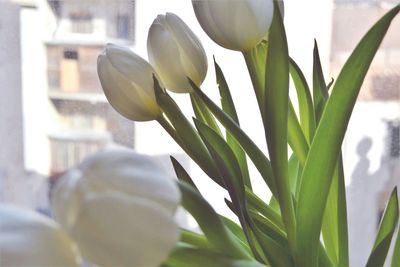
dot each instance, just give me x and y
(81, 22)
(123, 27)
(69, 71)
(394, 139)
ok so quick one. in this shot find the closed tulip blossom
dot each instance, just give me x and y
(235, 24)
(176, 53)
(127, 81)
(30, 239)
(119, 207)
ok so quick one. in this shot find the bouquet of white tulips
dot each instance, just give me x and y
(117, 209)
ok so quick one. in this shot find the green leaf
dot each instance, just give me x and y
(320, 91)
(229, 169)
(229, 108)
(183, 256)
(307, 117)
(329, 86)
(275, 253)
(294, 169)
(334, 225)
(226, 162)
(276, 100)
(203, 114)
(385, 233)
(260, 161)
(236, 230)
(321, 160)
(296, 138)
(195, 239)
(210, 223)
(396, 251)
(274, 204)
(270, 229)
(256, 203)
(187, 137)
(181, 173)
(255, 62)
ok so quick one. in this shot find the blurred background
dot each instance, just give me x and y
(53, 113)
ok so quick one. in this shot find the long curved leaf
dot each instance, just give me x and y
(276, 99)
(260, 161)
(334, 224)
(320, 91)
(307, 117)
(396, 250)
(229, 108)
(321, 160)
(184, 133)
(203, 114)
(385, 233)
(183, 256)
(195, 239)
(182, 174)
(210, 223)
(296, 138)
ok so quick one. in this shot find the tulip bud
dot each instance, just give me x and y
(127, 81)
(238, 24)
(176, 53)
(30, 239)
(119, 207)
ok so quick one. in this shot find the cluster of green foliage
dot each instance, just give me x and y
(309, 198)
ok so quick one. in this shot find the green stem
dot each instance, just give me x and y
(257, 78)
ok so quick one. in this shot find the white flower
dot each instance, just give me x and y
(127, 81)
(176, 53)
(30, 239)
(235, 24)
(119, 207)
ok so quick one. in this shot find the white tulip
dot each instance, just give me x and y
(127, 81)
(119, 207)
(30, 239)
(176, 53)
(235, 24)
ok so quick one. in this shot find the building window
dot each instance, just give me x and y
(81, 22)
(394, 139)
(69, 71)
(70, 148)
(123, 27)
(386, 85)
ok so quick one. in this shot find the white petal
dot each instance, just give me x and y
(132, 66)
(204, 17)
(237, 25)
(164, 55)
(29, 239)
(65, 200)
(119, 170)
(124, 95)
(136, 175)
(193, 56)
(115, 230)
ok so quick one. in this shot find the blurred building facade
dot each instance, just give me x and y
(64, 114)
(372, 145)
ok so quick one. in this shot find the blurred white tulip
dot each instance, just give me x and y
(30, 239)
(119, 207)
(176, 53)
(235, 24)
(127, 81)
